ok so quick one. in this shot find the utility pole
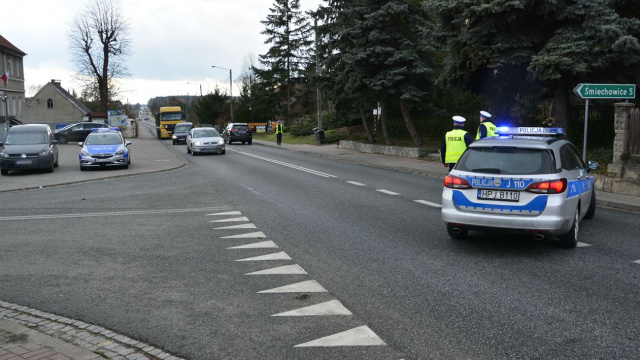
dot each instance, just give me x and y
(319, 94)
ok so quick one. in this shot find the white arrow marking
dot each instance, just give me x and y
(276, 256)
(304, 286)
(333, 307)
(241, 226)
(226, 213)
(425, 202)
(281, 270)
(231, 219)
(259, 235)
(387, 192)
(258, 245)
(360, 336)
(355, 183)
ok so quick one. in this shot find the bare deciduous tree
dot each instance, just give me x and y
(99, 37)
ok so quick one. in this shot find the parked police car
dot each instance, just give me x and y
(105, 148)
(526, 180)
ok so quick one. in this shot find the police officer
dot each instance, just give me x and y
(486, 128)
(455, 142)
(279, 133)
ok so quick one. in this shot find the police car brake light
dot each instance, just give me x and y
(548, 187)
(531, 131)
(454, 182)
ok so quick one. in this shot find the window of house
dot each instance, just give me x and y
(19, 107)
(10, 67)
(14, 107)
(49, 103)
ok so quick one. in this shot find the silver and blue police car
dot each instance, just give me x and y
(105, 148)
(526, 180)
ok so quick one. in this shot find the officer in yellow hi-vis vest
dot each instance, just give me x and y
(486, 128)
(455, 142)
(279, 133)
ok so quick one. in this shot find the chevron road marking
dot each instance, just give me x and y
(226, 213)
(231, 220)
(281, 270)
(258, 234)
(304, 286)
(276, 256)
(258, 245)
(360, 336)
(333, 307)
(241, 226)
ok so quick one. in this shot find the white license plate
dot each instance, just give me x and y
(502, 195)
(101, 160)
(23, 162)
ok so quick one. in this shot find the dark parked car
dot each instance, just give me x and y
(30, 146)
(180, 132)
(237, 132)
(76, 132)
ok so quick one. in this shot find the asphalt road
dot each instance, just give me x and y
(151, 257)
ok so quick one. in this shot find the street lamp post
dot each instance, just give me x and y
(230, 89)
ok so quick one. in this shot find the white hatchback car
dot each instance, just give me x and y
(527, 180)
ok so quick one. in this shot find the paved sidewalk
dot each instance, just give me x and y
(35, 335)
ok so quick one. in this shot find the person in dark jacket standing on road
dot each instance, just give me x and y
(455, 142)
(279, 133)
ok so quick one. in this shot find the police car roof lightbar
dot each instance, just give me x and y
(105, 129)
(530, 131)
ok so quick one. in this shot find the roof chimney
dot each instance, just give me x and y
(56, 82)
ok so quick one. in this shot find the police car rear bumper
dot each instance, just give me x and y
(556, 218)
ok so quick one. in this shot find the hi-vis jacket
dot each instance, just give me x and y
(491, 129)
(455, 145)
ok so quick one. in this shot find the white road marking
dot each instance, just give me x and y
(231, 219)
(360, 336)
(425, 202)
(258, 245)
(110, 213)
(637, 261)
(304, 286)
(259, 235)
(226, 213)
(333, 307)
(387, 192)
(356, 183)
(310, 171)
(275, 256)
(241, 226)
(582, 244)
(281, 270)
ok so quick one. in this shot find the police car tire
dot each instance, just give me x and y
(591, 212)
(570, 239)
(459, 236)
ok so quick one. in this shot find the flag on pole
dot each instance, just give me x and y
(5, 78)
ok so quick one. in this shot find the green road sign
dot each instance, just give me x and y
(605, 91)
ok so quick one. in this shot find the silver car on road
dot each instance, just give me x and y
(527, 180)
(205, 140)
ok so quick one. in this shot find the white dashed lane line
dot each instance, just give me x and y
(428, 203)
(355, 183)
(387, 192)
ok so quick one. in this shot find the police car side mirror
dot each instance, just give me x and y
(593, 166)
(128, 143)
(80, 143)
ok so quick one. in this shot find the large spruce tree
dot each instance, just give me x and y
(288, 32)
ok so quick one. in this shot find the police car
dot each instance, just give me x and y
(105, 148)
(525, 180)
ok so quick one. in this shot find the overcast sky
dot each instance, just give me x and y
(173, 42)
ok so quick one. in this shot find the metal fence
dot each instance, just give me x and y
(634, 131)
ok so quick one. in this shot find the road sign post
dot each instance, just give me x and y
(601, 91)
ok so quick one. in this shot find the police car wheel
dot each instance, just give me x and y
(591, 212)
(570, 239)
(456, 232)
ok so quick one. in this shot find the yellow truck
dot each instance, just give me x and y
(166, 120)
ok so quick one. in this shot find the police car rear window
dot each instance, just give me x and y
(506, 160)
